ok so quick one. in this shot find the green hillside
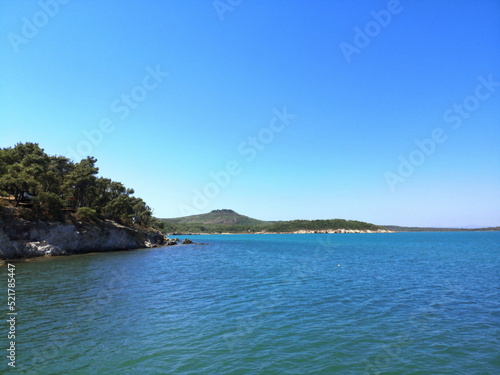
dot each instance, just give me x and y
(222, 217)
(216, 221)
(228, 221)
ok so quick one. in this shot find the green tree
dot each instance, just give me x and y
(81, 180)
(142, 212)
(22, 170)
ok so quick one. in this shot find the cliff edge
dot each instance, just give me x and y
(26, 239)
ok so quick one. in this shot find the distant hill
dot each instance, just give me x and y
(220, 217)
(229, 221)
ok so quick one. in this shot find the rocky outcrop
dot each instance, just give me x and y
(26, 239)
(171, 242)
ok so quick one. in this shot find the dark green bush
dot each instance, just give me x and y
(86, 214)
(49, 205)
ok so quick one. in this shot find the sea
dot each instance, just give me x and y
(381, 303)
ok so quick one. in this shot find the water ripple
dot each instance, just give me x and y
(405, 303)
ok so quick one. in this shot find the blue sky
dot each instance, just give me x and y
(381, 111)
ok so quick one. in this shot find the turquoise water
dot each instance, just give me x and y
(402, 303)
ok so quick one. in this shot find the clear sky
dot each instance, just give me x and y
(380, 111)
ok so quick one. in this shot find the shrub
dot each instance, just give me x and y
(49, 205)
(86, 214)
(158, 224)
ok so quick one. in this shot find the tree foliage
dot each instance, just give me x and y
(294, 225)
(52, 185)
(87, 214)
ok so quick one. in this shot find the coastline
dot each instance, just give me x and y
(302, 231)
(27, 239)
(340, 231)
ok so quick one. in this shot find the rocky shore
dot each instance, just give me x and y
(27, 239)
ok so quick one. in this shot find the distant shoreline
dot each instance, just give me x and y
(423, 230)
(338, 231)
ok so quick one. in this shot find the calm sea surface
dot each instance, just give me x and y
(402, 303)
